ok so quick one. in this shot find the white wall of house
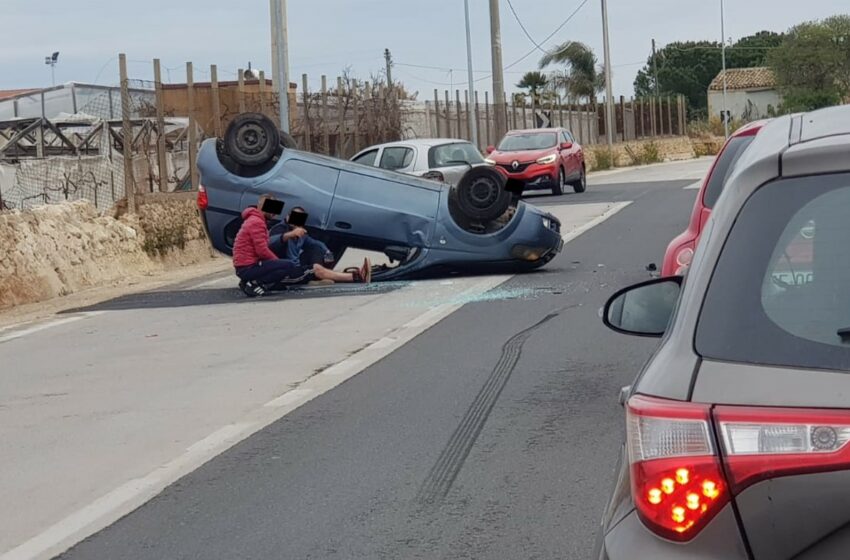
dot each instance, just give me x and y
(744, 104)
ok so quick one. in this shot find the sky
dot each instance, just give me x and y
(426, 37)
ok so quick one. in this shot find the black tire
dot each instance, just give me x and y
(252, 140)
(288, 141)
(481, 194)
(580, 184)
(558, 189)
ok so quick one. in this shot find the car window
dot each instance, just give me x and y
(367, 158)
(396, 158)
(780, 294)
(723, 168)
(529, 141)
(568, 137)
(445, 154)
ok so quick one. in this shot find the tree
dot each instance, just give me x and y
(581, 78)
(753, 50)
(535, 82)
(812, 65)
(688, 67)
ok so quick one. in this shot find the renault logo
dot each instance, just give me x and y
(515, 165)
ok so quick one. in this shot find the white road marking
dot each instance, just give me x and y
(121, 501)
(15, 334)
(569, 236)
(693, 186)
(289, 397)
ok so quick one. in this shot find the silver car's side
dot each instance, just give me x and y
(419, 165)
(775, 528)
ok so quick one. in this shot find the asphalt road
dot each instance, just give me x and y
(491, 435)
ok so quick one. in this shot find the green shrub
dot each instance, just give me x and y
(645, 154)
(604, 158)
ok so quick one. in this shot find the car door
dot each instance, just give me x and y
(569, 156)
(375, 208)
(368, 157)
(397, 158)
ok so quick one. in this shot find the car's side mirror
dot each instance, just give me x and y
(491, 149)
(566, 145)
(644, 309)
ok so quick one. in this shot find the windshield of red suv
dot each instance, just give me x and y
(530, 141)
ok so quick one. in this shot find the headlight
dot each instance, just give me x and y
(548, 159)
(547, 223)
(490, 161)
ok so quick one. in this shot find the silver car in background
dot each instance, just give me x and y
(440, 159)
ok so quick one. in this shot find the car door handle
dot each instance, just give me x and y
(343, 225)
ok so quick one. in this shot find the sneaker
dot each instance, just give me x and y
(252, 289)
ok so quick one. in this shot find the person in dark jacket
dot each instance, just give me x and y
(289, 240)
(259, 269)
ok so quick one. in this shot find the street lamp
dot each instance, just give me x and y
(473, 124)
(280, 59)
(51, 61)
(723, 54)
(609, 88)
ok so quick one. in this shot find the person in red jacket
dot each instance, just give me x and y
(259, 269)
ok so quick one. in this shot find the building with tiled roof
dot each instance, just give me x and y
(751, 93)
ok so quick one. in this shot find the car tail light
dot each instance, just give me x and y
(676, 476)
(761, 443)
(203, 199)
(684, 258)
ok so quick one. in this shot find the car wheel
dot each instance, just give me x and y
(481, 194)
(558, 189)
(580, 185)
(252, 139)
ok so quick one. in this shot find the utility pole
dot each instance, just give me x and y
(655, 67)
(473, 124)
(280, 59)
(610, 124)
(498, 71)
(723, 54)
(389, 58)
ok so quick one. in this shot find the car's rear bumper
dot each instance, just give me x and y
(630, 539)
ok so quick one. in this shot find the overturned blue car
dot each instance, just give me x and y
(423, 226)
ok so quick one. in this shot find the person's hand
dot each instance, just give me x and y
(296, 233)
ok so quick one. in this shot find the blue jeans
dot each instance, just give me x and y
(312, 251)
(274, 273)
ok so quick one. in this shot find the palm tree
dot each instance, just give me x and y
(535, 82)
(581, 77)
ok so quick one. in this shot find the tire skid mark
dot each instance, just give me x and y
(442, 475)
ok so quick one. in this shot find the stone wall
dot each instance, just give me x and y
(59, 249)
(669, 149)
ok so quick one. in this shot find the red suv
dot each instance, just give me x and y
(680, 252)
(548, 158)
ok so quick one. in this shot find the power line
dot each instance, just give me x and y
(524, 30)
(566, 21)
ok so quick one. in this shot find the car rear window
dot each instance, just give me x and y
(780, 293)
(449, 154)
(725, 164)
